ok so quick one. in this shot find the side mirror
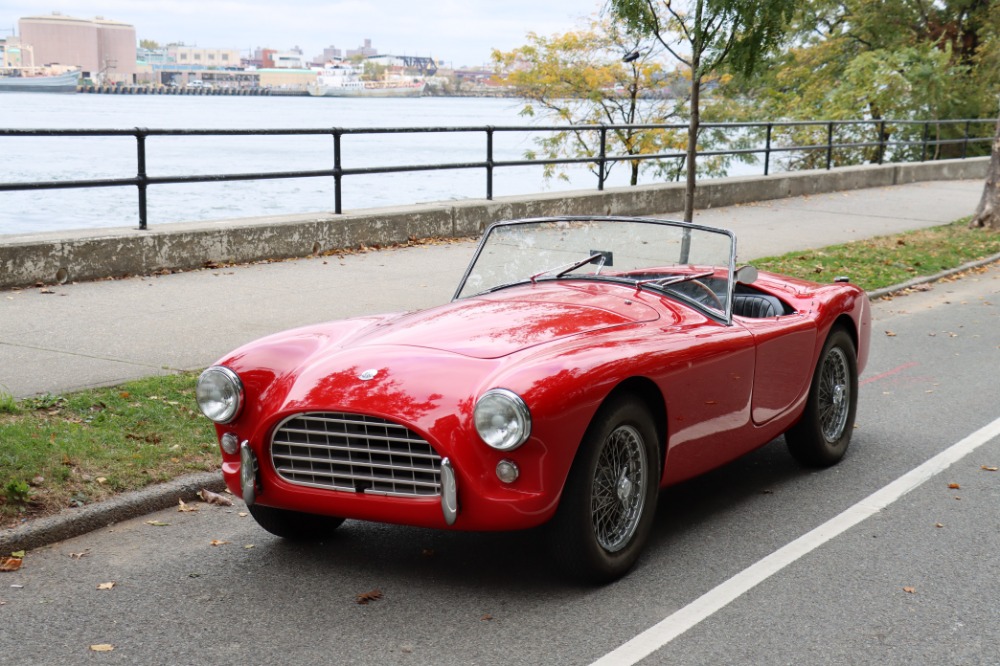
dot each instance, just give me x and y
(746, 274)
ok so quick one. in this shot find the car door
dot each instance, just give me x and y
(784, 362)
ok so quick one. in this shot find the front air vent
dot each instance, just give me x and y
(355, 453)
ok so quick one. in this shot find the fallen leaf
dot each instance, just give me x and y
(101, 480)
(218, 542)
(954, 486)
(364, 598)
(486, 618)
(184, 508)
(214, 498)
(105, 586)
(987, 468)
(910, 590)
(102, 647)
(18, 553)
(248, 546)
(10, 563)
(890, 334)
(157, 523)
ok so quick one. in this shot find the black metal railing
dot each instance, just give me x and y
(812, 144)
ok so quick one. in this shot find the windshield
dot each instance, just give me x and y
(688, 261)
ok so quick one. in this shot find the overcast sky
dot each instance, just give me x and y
(461, 32)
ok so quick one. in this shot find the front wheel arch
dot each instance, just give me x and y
(645, 390)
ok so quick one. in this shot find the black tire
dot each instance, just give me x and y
(606, 511)
(294, 525)
(822, 435)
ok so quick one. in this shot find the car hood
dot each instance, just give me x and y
(403, 366)
(498, 325)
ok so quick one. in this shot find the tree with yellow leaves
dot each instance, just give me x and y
(580, 78)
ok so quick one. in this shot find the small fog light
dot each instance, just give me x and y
(230, 443)
(507, 471)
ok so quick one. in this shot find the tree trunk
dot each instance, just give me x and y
(692, 148)
(988, 211)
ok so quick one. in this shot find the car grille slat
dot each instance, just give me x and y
(347, 446)
(355, 453)
(348, 435)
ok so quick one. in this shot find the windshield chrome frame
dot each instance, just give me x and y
(727, 318)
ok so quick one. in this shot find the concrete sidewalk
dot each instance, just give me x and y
(62, 338)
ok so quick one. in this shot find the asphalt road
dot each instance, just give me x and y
(916, 583)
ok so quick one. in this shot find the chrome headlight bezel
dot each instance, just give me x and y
(502, 419)
(220, 394)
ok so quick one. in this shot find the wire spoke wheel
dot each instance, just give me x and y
(618, 495)
(834, 394)
(606, 511)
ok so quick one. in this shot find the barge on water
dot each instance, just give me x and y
(34, 79)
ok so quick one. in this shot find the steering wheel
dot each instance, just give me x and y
(708, 290)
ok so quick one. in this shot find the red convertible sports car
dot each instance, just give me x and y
(583, 364)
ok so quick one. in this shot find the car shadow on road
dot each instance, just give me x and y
(519, 562)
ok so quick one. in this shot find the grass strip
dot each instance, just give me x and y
(885, 261)
(60, 451)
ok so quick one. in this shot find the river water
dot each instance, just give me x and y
(32, 159)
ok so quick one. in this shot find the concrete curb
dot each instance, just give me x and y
(74, 522)
(927, 279)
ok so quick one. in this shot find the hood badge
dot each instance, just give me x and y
(368, 375)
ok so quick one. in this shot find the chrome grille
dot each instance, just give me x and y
(355, 453)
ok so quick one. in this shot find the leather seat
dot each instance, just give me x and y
(758, 306)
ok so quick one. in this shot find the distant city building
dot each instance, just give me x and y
(274, 59)
(330, 54)
(157, 56)
(291, 59)
(365, 51)
(104, 50)
(194, 55)
(262, 58)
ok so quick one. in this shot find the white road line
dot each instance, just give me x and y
(704, 606)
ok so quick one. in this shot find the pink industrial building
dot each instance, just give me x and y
(104, 50)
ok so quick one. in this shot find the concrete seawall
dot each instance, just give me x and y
(58, 257)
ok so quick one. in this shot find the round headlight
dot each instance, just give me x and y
(220, 394)
(502, 419)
